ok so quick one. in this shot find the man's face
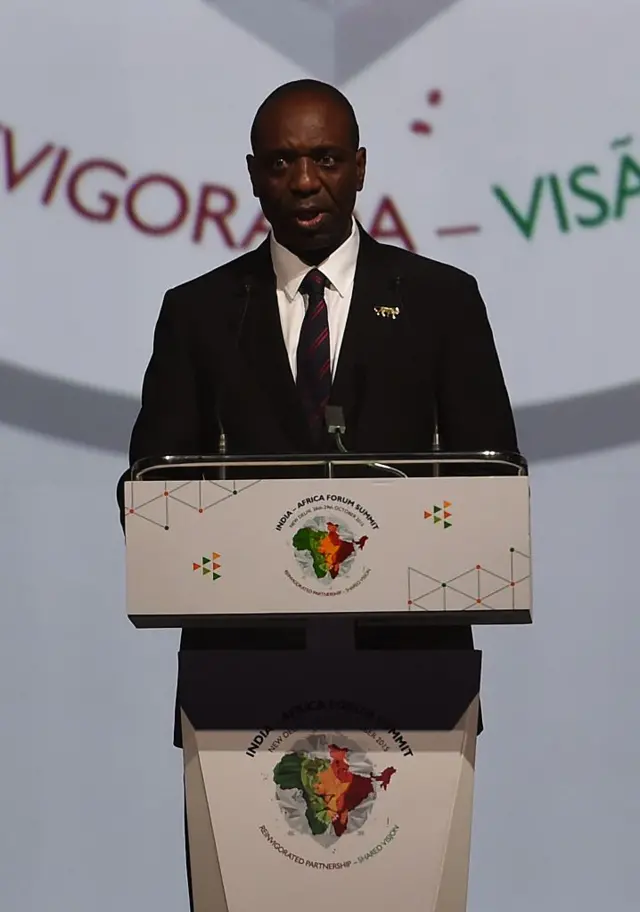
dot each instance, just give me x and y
(306, 173)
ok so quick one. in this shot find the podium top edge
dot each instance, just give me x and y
(145, 466)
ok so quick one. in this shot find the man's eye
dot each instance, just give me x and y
(278, 163)
(327, 161)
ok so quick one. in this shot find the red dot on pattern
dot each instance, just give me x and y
(166, 493)
(410, 602)
(421, 127)
(200, 510)
(479, 601)
(478, 567)
(132, 511)
(513, 584)
(434, 97)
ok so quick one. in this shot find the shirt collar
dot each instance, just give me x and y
(339, 267)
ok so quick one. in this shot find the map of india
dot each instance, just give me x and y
(328, 549)
(329, 787)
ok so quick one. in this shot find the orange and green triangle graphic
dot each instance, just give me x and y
(444, 510)
(209, 570)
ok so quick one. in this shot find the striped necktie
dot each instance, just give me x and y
(314, 353)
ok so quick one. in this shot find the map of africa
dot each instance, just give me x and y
(331, 790)
(328, 549)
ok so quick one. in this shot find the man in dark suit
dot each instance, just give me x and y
(257, 347)
(231, 348)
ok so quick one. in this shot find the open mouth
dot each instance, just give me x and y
(311, 218)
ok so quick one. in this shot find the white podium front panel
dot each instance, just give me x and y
(354, 788)
(442, 546)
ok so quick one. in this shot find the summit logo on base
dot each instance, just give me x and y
(329, 795)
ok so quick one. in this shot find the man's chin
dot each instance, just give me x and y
(324, 237)
(318, 240)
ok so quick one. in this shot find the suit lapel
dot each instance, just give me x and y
(369, 340)
(263, 347)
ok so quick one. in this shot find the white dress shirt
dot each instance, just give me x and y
(340, 270)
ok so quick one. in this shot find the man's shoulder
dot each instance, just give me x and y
(414, 266)
(234, 273)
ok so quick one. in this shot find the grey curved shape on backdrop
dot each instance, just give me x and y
(103, 420)
(333, 39)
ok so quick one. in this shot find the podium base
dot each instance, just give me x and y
(329, 778)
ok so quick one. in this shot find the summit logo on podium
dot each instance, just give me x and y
(328, 534)
(325, 547)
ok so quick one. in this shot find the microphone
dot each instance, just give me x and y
(435, 446)
(336, 426)
(435, 441)
(396, 283)
(247, 283)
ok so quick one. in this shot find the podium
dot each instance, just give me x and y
(329, 774)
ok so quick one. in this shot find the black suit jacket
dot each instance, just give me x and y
(219, 351)
(219, 358)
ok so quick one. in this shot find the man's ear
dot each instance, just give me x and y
(361, 167)
(251, 168)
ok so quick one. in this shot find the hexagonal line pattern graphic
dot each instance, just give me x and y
(333, 40)
(481, 576)
(158, 507)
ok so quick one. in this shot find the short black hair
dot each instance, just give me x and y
(310, 86)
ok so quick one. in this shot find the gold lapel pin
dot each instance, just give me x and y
(392, 312)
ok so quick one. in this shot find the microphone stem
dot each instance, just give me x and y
(339, 442)
(222, 451)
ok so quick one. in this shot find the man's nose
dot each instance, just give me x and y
(304, 177)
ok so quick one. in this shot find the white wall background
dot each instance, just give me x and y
(90, 787)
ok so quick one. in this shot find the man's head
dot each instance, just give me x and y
(307, 167)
